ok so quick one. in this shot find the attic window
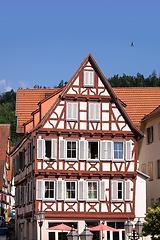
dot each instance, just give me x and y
(149, 135)
(88, 78)
(47, 95)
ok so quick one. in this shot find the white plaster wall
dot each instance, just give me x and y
(140, 198)
(150, 153)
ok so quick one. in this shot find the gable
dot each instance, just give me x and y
(96, 106)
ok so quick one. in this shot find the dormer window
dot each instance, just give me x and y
(88, 78)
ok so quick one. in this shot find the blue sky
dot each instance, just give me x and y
(43, 42)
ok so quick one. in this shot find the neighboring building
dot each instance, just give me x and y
(77, 160)
(26, 102)
(149, 154)
(5, 134)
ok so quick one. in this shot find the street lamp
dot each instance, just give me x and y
(40, 216)
(133, 233)
(86, 234)
(73, 234)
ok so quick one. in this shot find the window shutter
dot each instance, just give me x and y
(30, 191)
(91, 111)
(85, 78)
(60, 190)
(69, 110)
(88, 79)
(40, 148)
(26, 192)
(102, 190)
(127, 191)
(61, 149)
(82, 150)
(103, 150)
(72, 111)
(114, 190)
(85, 186)
(54, 149)
(75, 111)
(80, 190)
(128, 153)
(19, 196)
(109, 150)
(39, 190)
(97, 111)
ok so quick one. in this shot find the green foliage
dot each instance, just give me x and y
(151, 225)
(10, 215)
(7, 113)
(132, 81)
(61, 84)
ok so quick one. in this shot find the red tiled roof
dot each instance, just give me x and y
(4, 135)
(151, 114)
(27, 102)
(139, 100)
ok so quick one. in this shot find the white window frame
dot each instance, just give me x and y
(88, 78)
(72, 117)
(43, 145)
(94, 159)
(93, 199)
(65, 191)
(119, 159)
(43, 194)
(116, 182)
(92, 109)
(72, 140)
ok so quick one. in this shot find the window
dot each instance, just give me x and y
(94, 112)
(70, 190)
(92, 190)
(158, 169)
(49, 192)
(45, 189)
(88, 78)
(71, 149)
(143, 168)
(117, 190)
(118, 150)
(46, 148)
(150, 170)
(149, 135)
(71, 111)
(93, 152)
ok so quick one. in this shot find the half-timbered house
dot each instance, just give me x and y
(77, 160)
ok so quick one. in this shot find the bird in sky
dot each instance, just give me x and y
(132, 45)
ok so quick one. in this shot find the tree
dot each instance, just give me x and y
(61, 84)
(7, 113)
(151, 225)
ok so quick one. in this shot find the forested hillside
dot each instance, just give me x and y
(7, 113)
(132, 81)
(8, 99)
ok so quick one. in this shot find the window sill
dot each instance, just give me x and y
(71, 200)
(119, 160)
(49, 160)
(71, 159)
(92, 201)
(71, 120)
(49, 200)
(117, 201)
